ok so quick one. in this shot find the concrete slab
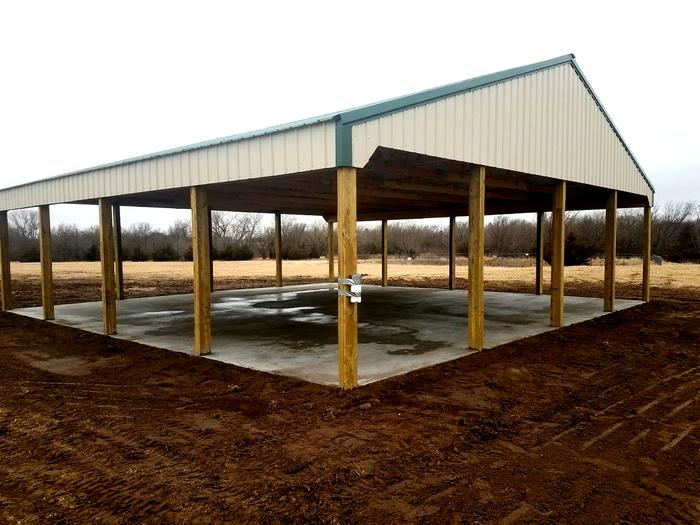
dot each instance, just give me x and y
(292, 330)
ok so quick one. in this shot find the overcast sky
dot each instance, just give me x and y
(86, 83)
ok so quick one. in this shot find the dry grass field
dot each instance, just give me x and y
(76, 281)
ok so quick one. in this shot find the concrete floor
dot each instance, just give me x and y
(292, 331)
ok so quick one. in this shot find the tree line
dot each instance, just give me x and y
(244, 236)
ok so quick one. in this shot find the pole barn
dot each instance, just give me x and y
(532, 139)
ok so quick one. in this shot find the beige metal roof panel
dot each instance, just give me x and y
(542, 119)
(546, 123)
(305, 148)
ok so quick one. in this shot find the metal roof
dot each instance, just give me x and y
(345, 119)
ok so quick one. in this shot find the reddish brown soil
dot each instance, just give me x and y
(26, 290)
(595, 423)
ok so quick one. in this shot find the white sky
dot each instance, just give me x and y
(85, 83)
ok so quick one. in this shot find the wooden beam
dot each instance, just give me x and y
(202, 269)
(45, 258)
(539, 262)
(556, 311)
(278, 247)
(347, 265)
(118, 252)
(385, 253)
(610, 252)
(211, 250)
(5, 278)
(331, 256)
(475, 290)
(109, 296)
(453, 253)
(646, 256)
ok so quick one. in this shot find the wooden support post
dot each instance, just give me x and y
(646, 256)
(45, 258)
(201, 255)
(109, 299)
(278, 247)
(385, 253)
(347, 265)
(475, 290)
(211, 252)
(453, 254)
(5, 279)
(539, 263)
(610, 252)
(331, 256)
(118, 260)
(556, 311)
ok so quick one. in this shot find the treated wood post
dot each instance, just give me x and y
(331, 256)
(539, 263)
(211, 252)
(278, 247)
(45, 258)
(556, 310)
(475, 290)
(453, 254)
(201, 256)
(610, 252)
(5, 278)
(646, 256)
(347, 265)
(385, 253)
(109, 300)
(118, 261)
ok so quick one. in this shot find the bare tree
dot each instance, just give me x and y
(180, 230)
(498, 233)
(25, 223)
(668, 221)
(221, 223)
(695, 229)
(245, 226)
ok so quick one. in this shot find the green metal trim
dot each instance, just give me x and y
(343, 143)
(612, 124)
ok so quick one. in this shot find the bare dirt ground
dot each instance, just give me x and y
(594, 423)
(76, 282)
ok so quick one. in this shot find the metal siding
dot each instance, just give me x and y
(545, 123)
(306, 148)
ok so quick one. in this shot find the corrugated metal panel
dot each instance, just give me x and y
(306, 148)
(545, 123)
